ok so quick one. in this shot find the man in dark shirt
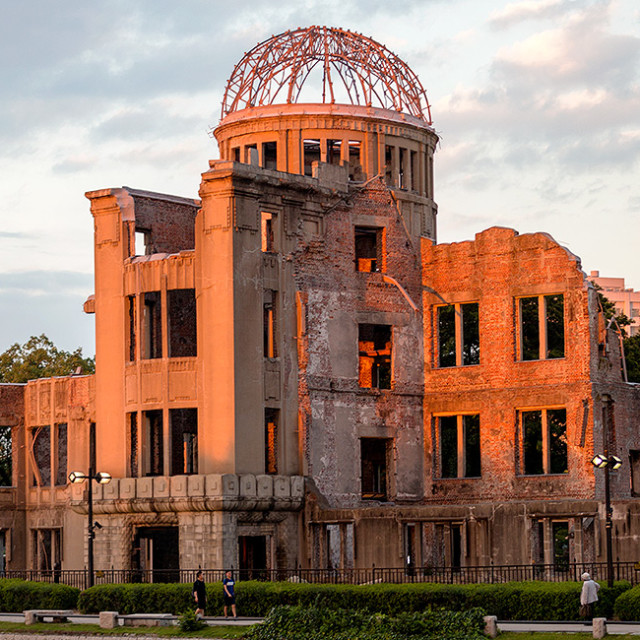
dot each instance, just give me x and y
(200, 593)
(228, 588)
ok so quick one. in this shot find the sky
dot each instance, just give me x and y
(536, 102)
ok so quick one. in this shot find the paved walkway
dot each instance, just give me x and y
(613, 628)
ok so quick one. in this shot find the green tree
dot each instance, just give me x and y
(38, 357)
(632, 356)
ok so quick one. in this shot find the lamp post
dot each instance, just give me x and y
(608, 463)
(76, 477)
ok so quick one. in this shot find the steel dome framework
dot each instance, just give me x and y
(274, 72)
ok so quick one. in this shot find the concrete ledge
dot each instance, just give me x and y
(148, 620)
(109, 619)
(599, 627)
(31, 616)
(491, 626)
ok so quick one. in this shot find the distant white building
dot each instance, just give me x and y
(626, 300)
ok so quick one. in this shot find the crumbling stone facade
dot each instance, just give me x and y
(292, 373)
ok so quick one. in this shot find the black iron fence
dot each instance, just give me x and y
(492, 574)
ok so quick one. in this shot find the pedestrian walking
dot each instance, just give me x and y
(588, 596)
(200, 594)
(228, 586)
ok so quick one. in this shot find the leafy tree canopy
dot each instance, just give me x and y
(632, 357)
(38, 357)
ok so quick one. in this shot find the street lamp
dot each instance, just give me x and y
(76, 477)
(608, 463)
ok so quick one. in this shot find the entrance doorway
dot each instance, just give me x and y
(253, 557)
(156, 554)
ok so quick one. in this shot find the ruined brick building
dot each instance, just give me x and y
(292, 372)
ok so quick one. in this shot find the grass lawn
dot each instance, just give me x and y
(94, 629)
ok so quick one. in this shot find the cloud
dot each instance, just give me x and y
(46, 283)
(517, 12)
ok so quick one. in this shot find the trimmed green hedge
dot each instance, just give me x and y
(19, 595)
(627, 605)
(321, 623)
(508, 601)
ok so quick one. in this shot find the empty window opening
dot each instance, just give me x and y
(458, 335)
(61, 454)
(388, 165)
(430, 177)
(134, 454)
(181, 323)
(153, 451)
(253, 558)
(184, 441)
(156, 553)
(560, 532)
(456, 546)
(373, 460)
(269, 324)
(459, 446)
(415, 186)
(334, 546)
(271, 441)
(267, 232)
(369, 249)
(6, 457)
(544, 441)
(412, 546)
(131, 334)
(402, 168)
(235, 154)
(41, 451)
(311, 155)
(334, 152)
(47, 549)
(270, 155)
(634, 465)
(142, 242)
(152, 320)
(374, 345)
(251, 155)
(355, 161)
(541, 327)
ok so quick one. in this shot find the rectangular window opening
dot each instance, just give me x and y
(311, 154)
(134, 454)
(251, 155)
(355, 162)
(153, 451)
(374, 345)
(269, 325)
(271, 441)
(6, 457)
(61, 455)
(368, 249)
(131, 334)
(402, 168)
(544, 441)
(41, 450)
(542, 327)
(270, 155)
(184, 441)
(182, 323)
(235, 154)
(388, 165)
(152, 320)
(458, 328)
(634, 465)
(373, 458)
(415, 186)
(460, 452)
(334, 152)
(142, 242)
(267, 232)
